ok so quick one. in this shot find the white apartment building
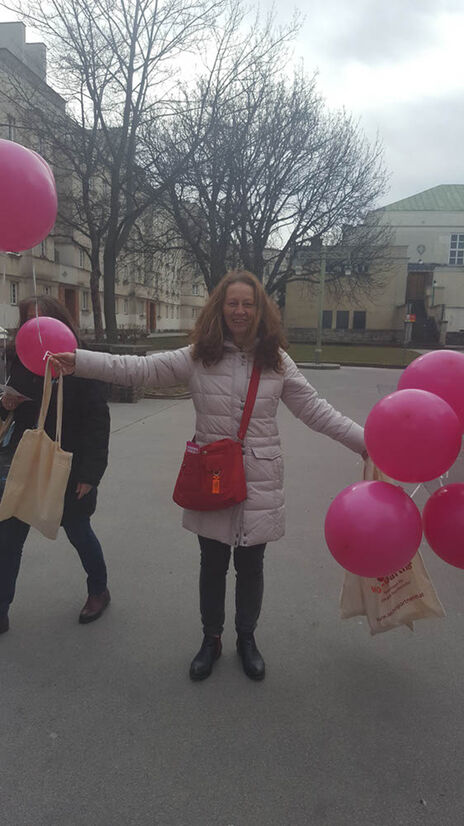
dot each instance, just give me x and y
(162, 293)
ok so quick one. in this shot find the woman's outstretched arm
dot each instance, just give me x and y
(156, 370)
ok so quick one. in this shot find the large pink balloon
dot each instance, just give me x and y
(373, 528)
(440, 372)
(443, 520)
(413, 435)
(31, 348)
(28, 200)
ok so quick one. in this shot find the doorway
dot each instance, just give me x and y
(151, 317)
(69, 296)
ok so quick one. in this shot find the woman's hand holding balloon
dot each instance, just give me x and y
(64, 363)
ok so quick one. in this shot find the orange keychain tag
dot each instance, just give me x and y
(215, 485)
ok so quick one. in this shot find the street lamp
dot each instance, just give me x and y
(318, 350)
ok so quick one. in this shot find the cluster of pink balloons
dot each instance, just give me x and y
(412, 435)
(28, 202)
(415, 434)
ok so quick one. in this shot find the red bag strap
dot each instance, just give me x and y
(250, 402)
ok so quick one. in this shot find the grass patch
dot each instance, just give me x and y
(351, 354)
(164, 342)
(331, 353)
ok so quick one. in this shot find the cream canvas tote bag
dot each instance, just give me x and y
(36, 483)
(390, 601)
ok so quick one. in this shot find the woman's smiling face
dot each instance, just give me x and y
(239, 311)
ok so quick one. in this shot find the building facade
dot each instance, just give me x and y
(154, 293)
(431, 225)
(420, 297)
(375, 316)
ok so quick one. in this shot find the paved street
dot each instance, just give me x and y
(101, 726)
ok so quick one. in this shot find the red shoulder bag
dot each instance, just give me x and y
(212, 476)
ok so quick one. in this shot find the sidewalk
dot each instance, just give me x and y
(101, 726)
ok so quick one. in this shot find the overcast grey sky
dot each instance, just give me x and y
(399, 66)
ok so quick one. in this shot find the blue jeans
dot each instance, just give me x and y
(13, 535)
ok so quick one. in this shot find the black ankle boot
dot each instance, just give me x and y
(4, 624)
(252, 661)
(202, 664)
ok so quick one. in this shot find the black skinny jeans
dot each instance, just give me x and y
(248, 563)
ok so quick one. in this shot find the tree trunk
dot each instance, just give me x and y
(109, 272)
(95, 276)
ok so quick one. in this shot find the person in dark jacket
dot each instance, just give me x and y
(85, 433)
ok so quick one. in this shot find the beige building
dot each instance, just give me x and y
(422, 298)
(431, 225)
(153, 293)
(377, 317)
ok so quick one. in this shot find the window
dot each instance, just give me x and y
(85, 301)
(141, 308)
(43, 249)
(167, 311)
(14, 292)
(11, 128)
(359, 320)
(126, 307)
(362, 268)
(195, 289)
(46, 290)
(57, 256)
(116, 306)
(343, 318)
(81, 259)
(327, 319)
(194, 312)
(172, 311)
(456, 256)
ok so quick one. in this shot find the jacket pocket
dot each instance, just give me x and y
(267, 452)
(267, 467)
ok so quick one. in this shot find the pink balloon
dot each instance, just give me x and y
(28, 202)
(443, 520)
(440, 372)
(413, 435)
(31, 348)
(373, 528)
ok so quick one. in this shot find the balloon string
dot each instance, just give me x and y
(36, 303)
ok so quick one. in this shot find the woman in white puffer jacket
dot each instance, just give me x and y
(238, 326)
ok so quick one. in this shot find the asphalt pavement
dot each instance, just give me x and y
(101, 726)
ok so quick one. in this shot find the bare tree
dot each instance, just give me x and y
(115, 65)
(277, 170)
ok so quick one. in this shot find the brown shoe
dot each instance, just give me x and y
(94, 607)
(4, 624)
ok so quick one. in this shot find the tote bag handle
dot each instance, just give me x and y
(46, 396)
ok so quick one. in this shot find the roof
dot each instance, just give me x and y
(442, 198)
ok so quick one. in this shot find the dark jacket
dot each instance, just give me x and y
(85, 429)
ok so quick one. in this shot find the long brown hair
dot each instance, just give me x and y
(210, 330)
(49, 306)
